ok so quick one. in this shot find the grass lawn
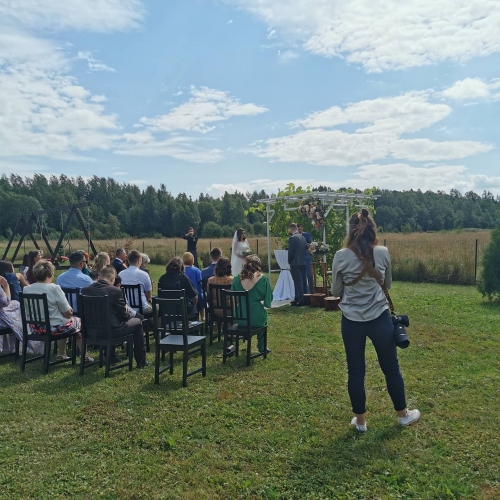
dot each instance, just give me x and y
(278, 429)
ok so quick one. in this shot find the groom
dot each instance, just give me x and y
(297, 248)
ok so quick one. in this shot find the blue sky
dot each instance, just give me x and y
(215, 95)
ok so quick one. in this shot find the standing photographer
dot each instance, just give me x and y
(192, 240)
(365, 313)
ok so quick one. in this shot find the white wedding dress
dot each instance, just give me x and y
(238, 247)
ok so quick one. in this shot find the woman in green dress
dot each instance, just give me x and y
(260, 295)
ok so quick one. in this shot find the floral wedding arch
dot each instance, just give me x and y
(319, 207)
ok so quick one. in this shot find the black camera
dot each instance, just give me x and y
(400, 336)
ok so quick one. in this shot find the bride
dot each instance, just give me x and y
(240, 245)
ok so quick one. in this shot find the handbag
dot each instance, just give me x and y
(401, 338)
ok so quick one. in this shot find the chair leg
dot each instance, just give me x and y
(73, 349)
(82, 356)
(210, 327)
(130, 352)
(224, 350)
(218, 331)
(184, 368)
(46, 358)
(108, 362)
(16, 352)
(204, 359)
(24, 351)
(265, 343)
(157, 363)
(101, 357)
(171, 357)
(249, 347)
(146, 334)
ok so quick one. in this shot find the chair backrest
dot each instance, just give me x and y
(95, 317)
(236, 307)
(14, 293)
(35, 311)
(171, 314)
(214, 295)
(133, 296)
(72, 297)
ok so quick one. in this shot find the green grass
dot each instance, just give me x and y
(276, 430)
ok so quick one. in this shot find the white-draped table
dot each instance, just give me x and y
(284, 289)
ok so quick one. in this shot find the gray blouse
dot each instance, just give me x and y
(365, 300)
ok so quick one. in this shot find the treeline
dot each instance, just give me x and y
(119, 210)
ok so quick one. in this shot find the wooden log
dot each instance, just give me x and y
(317, 299)
(332, 303)
(307, 299)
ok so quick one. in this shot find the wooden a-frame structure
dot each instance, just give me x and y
(24, 226)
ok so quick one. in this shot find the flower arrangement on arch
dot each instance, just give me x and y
(314, 210)
(319, 248)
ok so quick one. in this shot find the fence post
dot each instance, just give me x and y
(116, 246)
(143, 246)
(475, 263)
(385, 242)
(175, 247)
(257, 246)
(210, 245)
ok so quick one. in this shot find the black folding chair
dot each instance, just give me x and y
(35, 314)
(174, 333)
(236, 308)
(133, 297)
(96, 330)
(8, 331)
(214, 301)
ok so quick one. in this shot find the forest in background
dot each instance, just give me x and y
(118, 209)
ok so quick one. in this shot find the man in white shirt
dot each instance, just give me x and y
(135, 276)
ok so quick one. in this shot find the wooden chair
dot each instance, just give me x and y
(177, 334)
(72, 295)
(177, 293)
(35, 311)
(133, 297)
(236, 308)
(8, 331)
(215, 302)
(96, 330)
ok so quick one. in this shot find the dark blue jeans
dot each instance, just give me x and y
(380, 331)
(307, 279)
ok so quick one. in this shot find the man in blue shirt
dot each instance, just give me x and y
(215, 255)
(307, 278)
(74, 277)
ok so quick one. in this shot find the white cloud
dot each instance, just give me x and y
(386, 35)
(86, 15)
(285, 56)
(98, 98)
(471, 88)
(384, 121)
(199, 114)
(94, 64)
(269, 185)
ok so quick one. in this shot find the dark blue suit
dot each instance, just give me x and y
(307, 278)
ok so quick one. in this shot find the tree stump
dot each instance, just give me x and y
(307, 299)
(332, 303)
(317, 299)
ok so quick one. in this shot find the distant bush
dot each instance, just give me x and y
(212, 230)
(490, 281)
(259, 229)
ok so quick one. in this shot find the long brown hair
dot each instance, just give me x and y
(362, 235)
(251, 266)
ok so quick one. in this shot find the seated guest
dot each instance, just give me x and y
(23, 268)
(33, 257)
(74, 276)
(135, 276)
(145, 261)
(118, 284)
(120, 319)
(176, 279)
(60, 312)
(10, 317)
(215, 255)
(260, 295)
(194, 274)
(86, 269)
(119, 262)
(222, 276)
(93, 276)
(101, 260)
(15, 280)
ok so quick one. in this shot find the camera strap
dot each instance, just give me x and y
(369, 269)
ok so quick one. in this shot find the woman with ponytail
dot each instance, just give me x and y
(365, 313)
(260, 295)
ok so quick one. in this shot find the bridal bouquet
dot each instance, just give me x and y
(319, 248)
(248, 252)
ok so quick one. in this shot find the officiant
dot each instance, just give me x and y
(192, 240)
(297, 248)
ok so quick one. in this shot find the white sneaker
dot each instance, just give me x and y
(411, 417)
(360, 428)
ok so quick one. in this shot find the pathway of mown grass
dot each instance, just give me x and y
(278, 429)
